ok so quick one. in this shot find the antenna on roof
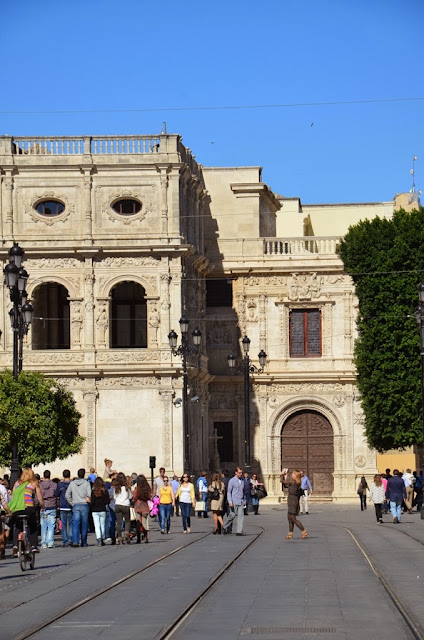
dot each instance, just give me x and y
(163, 128)
(412, 172)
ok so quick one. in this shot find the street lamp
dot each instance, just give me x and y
(184, 350)
(419, 316)
(15, 279)
(246, 368)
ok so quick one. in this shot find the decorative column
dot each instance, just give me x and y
(327, 329)
(165, 304)
(347, 320)
(88, 225)
(89, 308)
(102, 323)
(90, 397)
(167, 448)
(8, 204)
(262, 321)
(163, 170)
(153, 323)
(76, 322)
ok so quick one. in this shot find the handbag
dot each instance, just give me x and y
(261, 492)
(200, 505)
(133, 514)
(213, 495)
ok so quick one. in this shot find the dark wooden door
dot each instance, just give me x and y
(307, 445)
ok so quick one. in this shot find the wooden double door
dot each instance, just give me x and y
(307, 444)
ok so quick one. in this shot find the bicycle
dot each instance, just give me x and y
(25, 553)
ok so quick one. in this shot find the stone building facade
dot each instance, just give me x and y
(122, 236)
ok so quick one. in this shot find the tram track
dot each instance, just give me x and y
(413, 625)
(170, 628)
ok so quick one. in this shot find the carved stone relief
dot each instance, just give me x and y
(305, 286)
(102, 325)
(147, 196)
(49, 221)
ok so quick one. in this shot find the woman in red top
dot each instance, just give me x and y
(32, 490)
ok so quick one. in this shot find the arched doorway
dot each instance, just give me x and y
(129, 316)
(307, 444)
(50, 323)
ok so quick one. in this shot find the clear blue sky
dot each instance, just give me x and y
(135, 54)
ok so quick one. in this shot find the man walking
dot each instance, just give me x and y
(78, 494)
(48, 514)
(395, 492)
(247, 492)
(202, 490)
(409, 481)
(235, 498)
(305, 484)
(65, 508)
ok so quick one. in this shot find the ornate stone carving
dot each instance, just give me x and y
(129, 381)
(241, 312)
(154, 322)
(251, 311)
(166, 397)
(90, 425)
(305, 286)
(125, 356)
(303, 387)
(273, 402)
(102, 324)
(76, 324)
(70, 383)
(58, 263)
(333, 279)
(252, 281)
(64, 357)
(123, 261)
(339, 400)
(69, 208)
(145, 196)
(360, 461)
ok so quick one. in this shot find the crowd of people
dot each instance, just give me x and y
(119, 508)
(398, 493)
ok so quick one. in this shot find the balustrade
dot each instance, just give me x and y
(301, 245)
(95, 145)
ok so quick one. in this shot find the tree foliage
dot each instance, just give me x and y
(41, 414)
(385, 258)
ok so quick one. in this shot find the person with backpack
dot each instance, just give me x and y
(48, 514)
(23, 503)
(65, 508)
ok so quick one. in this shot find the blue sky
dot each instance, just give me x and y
(88, 55)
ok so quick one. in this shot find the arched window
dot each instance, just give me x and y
(129, 316)
(50, 323)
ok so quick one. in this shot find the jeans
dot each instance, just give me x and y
(185, 513)
(110, 523)
(165, 516)
(255, 501)
(396, 509)
(247, 499)
(48, 524)
(99, 519)
(237, 510)
(66, 519)
(363, 499)
(80, 512)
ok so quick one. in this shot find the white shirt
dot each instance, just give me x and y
(122, 498)
(4, 498)
(407, 479)
(185, 494)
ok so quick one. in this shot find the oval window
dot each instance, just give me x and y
(50, 208)
(127, 207)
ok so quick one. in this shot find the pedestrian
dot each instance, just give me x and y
(99, 501)
(142, 493)
(24, 494)
(362, 492)
(247, 492)
(396, 493)
(378, 495)
(166, 502)
(122, 496)
(225, 477)
(235, 497)
(202, 492)
(409, 480)
(3, 508)
(216, 492)
(418, 490)
(158, 481)
(294, 486)
(92, 476)
(175, 483)
(108, 472)
(78, 494)
(48, 514)
(65, 509)
(255, 482)
(306, 487)
(110, 511)
(187, 499)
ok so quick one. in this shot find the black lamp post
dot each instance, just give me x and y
(246, 368)
(419, 315)
(184, 350)
(15, 278)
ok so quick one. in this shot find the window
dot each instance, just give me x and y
(129, 316)
(50, 324)
(224, 431)
(305, 333)
(50, 208)
(127, 207)
(219, 293)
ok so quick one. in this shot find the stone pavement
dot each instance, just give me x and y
(314, 588)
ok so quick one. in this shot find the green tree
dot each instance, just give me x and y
(41, 414)
(385, 259)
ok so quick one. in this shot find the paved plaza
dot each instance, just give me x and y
(352, 578)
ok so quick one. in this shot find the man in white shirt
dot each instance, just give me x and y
(409, 481)
(158, 482)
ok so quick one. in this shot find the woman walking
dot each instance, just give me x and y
(378, 496)
(362, 492)
(187, 499)
(166, 502)
(255, 482)
(216, 493)
(122, 496)
(141, 494)
(293, 483)
(25, 491)
(99, 501)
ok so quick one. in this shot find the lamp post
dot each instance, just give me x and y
(184, 350)
(419, 315)
(246, 368)
(15, 278)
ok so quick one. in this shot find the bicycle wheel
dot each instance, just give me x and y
(22, 555)
(31, 560)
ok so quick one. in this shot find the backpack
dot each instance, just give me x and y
(18, 498)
